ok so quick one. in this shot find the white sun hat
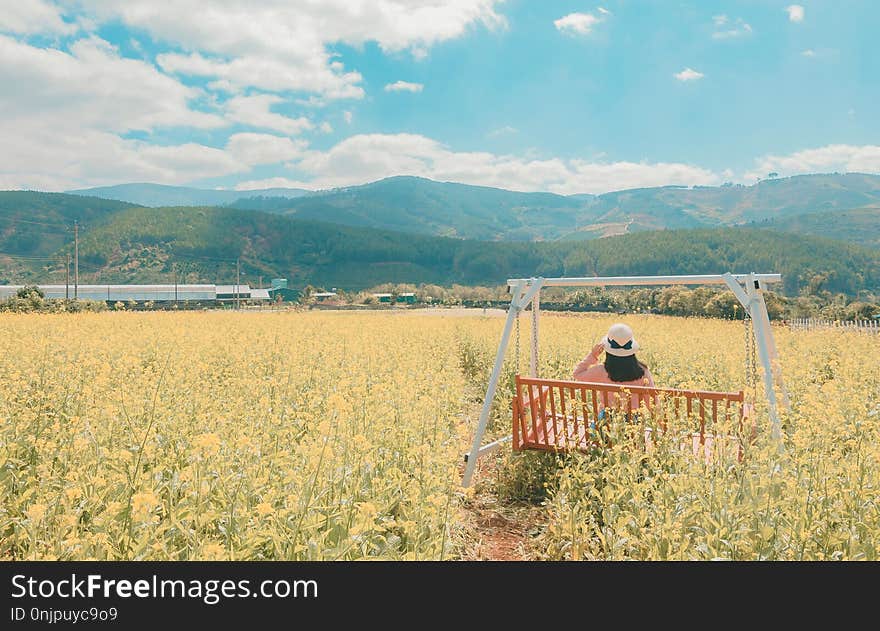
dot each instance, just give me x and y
(620, 341)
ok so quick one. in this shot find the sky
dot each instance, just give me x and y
(568, 97)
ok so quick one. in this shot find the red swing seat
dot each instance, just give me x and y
(564, 416)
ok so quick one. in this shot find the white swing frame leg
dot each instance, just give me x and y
(523, 293)
(752, 299)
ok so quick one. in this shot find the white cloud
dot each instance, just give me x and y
(33, 16)
(365, 158)
(347, 116)
(189, 160)
(578, 23)
(70, 115)
(404, 86)
(326, 128)
(222, 85)
(688, 74)
(272, 182)
(59, 159)
(739, 28)
(369, 157)
(280, 45)
(592, 177)
(266, 74)
(795, 13)
(49, 160)
(254, 111)
(253, 149)
(831, 158)
(821, 53)
(507, 130)
(603, 11)
(63, 125)
(92, 86)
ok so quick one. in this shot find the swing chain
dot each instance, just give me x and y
(751, 355)
(517, 339)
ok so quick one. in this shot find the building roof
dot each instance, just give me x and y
(121, 292)
(259, 294)
(241, 290)
(114, 287)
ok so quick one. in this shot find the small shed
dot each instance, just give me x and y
(407, 298)
(284, 294)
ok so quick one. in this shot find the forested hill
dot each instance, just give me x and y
(418, 205)
(162, 195)
(414, 204)
(860, 226)
(137, 244)
(36, 226)
(448, 209)
(734, 204)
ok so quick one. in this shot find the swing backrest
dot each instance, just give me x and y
(554, 415)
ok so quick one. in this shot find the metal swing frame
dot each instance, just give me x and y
(748, 289)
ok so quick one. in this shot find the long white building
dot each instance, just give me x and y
(146, 293)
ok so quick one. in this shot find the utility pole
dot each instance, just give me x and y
(67, 282)
(174, 268)
(75, 260)
(237, 282)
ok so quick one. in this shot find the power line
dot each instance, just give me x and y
(201, 258)
(24, 257)
(63, 227)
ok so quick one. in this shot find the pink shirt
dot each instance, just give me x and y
(591, 370)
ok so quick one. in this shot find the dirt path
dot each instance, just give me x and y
(498, 531)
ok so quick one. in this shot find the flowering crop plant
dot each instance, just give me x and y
(325, 435)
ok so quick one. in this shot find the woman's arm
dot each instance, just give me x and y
(589, 361)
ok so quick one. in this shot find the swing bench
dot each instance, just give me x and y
(564, 416)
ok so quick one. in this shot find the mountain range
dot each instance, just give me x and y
(423, 206)
(123, 242)
(161, 195)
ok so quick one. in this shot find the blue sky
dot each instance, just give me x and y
(561, 96)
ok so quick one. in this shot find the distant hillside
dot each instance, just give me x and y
(681, 207)
(35, 225)
(423, 206)
(160, 195)
(475, 212)
(799, 258)
(860, 226)
(138, 244)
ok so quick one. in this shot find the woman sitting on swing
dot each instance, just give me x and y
(620, 366)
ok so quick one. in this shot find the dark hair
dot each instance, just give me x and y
(624, 368)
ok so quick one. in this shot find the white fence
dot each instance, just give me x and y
(860, 326)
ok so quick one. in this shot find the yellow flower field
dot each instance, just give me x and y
(318, 435)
